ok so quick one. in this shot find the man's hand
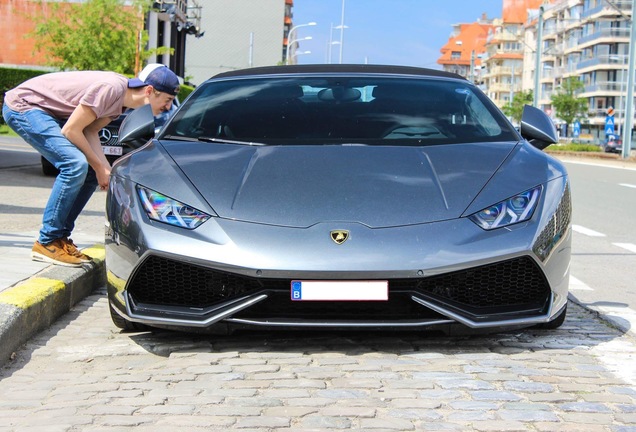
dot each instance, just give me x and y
(103, 176)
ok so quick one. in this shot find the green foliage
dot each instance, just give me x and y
(6, 130)
(577, 147)
(515, 108)
(184, 92)
(567, 104)
(94, 35)
(10, 78)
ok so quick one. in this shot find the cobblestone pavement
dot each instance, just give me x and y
(84, 375)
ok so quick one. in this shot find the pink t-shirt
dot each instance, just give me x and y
(59, 93)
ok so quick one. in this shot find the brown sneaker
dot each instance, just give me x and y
(54, 253)
(72, 249)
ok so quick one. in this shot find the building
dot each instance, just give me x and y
(167, 24)
(587, 39)
(504, 58)
(463, 52)
(239, 34)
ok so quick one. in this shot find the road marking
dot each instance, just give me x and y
(19, 149)
(629, 246)
(627, 185)
(601, 165)
(577, 285)
(586, 231)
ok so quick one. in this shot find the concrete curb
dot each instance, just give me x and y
(34, 304)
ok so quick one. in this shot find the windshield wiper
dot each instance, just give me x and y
(179, 138)
(228, 141)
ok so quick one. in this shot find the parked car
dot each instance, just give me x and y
(339, 197)
(612, 144)
(108, 136)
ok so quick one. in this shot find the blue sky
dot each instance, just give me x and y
(400, 32)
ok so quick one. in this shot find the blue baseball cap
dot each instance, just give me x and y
(160, 77)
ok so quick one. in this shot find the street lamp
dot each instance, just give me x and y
(623, 59)
(297, 53)
(329, 49)
(537, 59)
(289, 45)
(342, 28)
(629, 110)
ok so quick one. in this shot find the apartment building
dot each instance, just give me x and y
(464, 50)
(587, 39)
(503, 61)
(239, 35)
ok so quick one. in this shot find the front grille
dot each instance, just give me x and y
(166, 282)
(507, 286)
(108, 136)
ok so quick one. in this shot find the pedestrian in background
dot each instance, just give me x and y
(60, 115)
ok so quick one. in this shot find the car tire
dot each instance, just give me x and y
(124, 324)
(555, 323)
(47, 168)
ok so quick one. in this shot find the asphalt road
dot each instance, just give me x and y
(603, 266)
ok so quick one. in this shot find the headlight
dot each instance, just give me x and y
(163, 209)
(517, 209)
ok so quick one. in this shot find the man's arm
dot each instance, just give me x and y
(81, 129)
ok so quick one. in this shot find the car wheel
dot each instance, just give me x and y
(124, 324)
(555, 323)
(47, 168)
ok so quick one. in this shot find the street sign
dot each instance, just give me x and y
(609, 125)
(576, 129)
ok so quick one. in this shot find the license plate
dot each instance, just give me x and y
(112, 150)
(339, 290)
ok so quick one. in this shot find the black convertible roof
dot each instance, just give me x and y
(338, 68)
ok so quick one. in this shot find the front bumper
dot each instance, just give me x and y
(231, 272)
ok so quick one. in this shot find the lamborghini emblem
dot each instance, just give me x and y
(339, 236)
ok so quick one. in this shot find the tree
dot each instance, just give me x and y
(515, 108)
(567, 104)
(93, 35)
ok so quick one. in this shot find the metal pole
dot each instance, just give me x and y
(537, 59)
(342, 27)
(621, 105)
(330, 44)
(512, 83)
(629, 110)
(251, 55)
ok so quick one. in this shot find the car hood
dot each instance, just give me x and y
(299, 186)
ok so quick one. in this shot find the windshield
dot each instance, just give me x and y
(340, 110)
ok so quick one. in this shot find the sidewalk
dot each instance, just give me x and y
(34, 294)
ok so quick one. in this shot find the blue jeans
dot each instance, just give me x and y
(76, 181)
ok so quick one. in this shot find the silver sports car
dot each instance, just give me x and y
(338, 196)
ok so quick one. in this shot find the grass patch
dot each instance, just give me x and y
(577, 148)
(6, 130)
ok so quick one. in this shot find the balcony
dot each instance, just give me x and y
(604, 9)
(606, 88)
(606, 61)
(606, 34)
(504, 36)
(505, 70)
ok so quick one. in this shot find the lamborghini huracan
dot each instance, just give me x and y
(339, 197)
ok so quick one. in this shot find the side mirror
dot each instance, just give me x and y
(537, 127)
(138, 127)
